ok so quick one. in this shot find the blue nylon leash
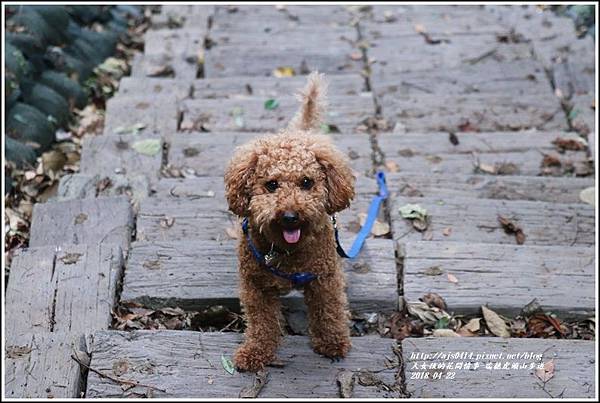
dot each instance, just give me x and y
(366, 228)
(303, 278)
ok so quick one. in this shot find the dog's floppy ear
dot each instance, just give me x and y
(239, 178)
(313, 99)
(339, 176)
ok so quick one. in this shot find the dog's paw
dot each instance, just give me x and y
(250, 359)
(332, 349)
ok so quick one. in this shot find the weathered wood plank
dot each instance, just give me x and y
(520, 77)
(270, 87)
(89, 221)
(250, 115)
(480, 152)
(194, 275)
(82, 186)
(39, 365)
(583, 119)
(134, 86)
(151, 356)
(400, 54)
(479, 112)
(208, 219)
(152, 114)
(574, 373)
(476, 220)
(534, 188)
(70, 289)
(213, 186)
(112, 155)
(204, 154)
(505, 277)
(435, 19)
(177, 16)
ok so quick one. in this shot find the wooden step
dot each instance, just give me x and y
(70, 288)
(156, 86)
(116, 154)
(209, 219)
(39, 365)
(491, 153)
(89, 221)
(152, 114)
(150, 357)
(503, 187)
(573, 374)
(207, 154)
(196, 274)
(504, 277)
(476, 220)
(272, 87)
(82, 186)
(250, 115)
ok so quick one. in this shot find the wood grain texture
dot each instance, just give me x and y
(111, 155)
(208, 219)
(574, 373)
(476, 220)
(503, 187)
(82, 186)
(204, 154)
(195, 274)
(158, 115)
(88, 221)
(160, 86)
(71, 289)
(188, 364)
(270, 87)
(521, 153)
(484, 112)
(39, 365)
(219, 115)
(504, 277)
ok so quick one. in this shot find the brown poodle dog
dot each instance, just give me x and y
(287, 185)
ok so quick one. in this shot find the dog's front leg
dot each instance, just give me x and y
(263, 332)
(328, 315)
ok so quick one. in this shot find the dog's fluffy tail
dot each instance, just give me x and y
(313, 99)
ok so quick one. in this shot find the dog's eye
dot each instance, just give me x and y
(307, 183)
(271, 186)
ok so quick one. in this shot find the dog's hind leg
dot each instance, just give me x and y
(328, 315)
(263, 332)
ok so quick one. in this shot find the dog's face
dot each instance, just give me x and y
(286, 185)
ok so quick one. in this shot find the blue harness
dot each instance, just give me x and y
(302, 278)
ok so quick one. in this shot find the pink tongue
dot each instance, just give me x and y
(292, 236)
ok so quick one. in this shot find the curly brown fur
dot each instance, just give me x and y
(295, 158)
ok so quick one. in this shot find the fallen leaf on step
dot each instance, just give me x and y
(494, 322)
(445, 333)
(71, 258)
(149, 147)
(271, 104)
(452, 278)
(563, 144)
(512, 228)
(167, 222)
(392, 166)
(260, 380)
(447, 231)
(434, 300)
(473, 325)
(227, 365)
(284, 71)
(588, 196)
(345, 381)
(379, 228)
(547, 372)
(433, 271)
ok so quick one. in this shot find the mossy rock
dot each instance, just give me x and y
(21, 154)
(69, 89)
(48, 101)
(36, 25)
(29, 126)
(15, 63)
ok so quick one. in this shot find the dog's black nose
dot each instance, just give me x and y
(290, 218)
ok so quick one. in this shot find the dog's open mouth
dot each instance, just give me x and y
(291, 235)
